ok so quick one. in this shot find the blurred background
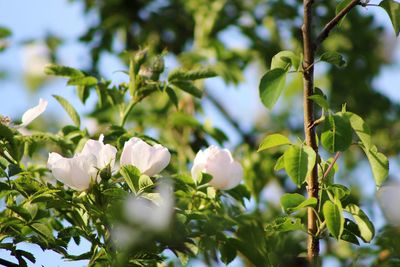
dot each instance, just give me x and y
(93, 36)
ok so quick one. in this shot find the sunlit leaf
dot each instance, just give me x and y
(271, 86)
(273, 140)
(299, 162)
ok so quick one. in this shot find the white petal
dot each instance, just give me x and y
(105, 154)
(235, 175)
(126, 158)
(33, 113)
(159, 159)
(60, 167)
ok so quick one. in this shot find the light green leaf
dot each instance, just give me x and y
(86, 81)
(285, 59)
(367, 230)
(379, 164)
(43, 230)
(280, 163)
(69, 109)
(273, 140)
(299, 162)
(320, 101)
(144, 182)
(64, 71)
(393, 10)
(271, 86)
(131, 175)
(188, 87)
(294, 202)
(181, 74)
(333, 213)
(339, 191)
(360, 128)
(337, 135)
(333, 58)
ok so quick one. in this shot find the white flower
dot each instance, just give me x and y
(155, 214)
(150, 160)
(227, 173)
(389, 200)
(79, 171)
(33, 113)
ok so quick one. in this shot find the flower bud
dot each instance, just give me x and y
(150, 160)
(227, 173)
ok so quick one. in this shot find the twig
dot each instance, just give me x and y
(331, 24)
(331, 165)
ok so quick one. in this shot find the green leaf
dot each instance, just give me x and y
(172, 96)
(273, 140)
(69, 109)
(228, 251)
(285, 59)
(280, 163)
(293, 202)
(367, 230)
(360, 128)
(271, 86)
(131, 175)
(379, 164)
(299, 162)
(188, 87)
(85, 81)
(43, 230)
(64, 71)
(339, 191)
(82, 92)
(285, 224)
(4, 32)
(333, 58)
(320, 101)
(181, 74)
(337, 135)
(393, 10)
(334, 217)
(340, 7)
(144, 182)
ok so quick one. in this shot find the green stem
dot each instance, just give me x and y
(127, 111)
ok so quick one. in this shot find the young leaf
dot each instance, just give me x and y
(285, 59)
(333, 213)
(180, 74)
(271, 86)
(333, 58)
(393, 10)
(58, 70)
(86, 81)
(379, 164)
(188, 87)
(280, 163)
(299, 162)
(69, 109)
(273, 140)
(367, 230)
(360, 128)
(131, 175)
(338, 134)
(320, 101)
(144, 182)
(294, 202)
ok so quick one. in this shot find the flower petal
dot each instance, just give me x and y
(33, 113)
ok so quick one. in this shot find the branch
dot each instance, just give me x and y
(331, 24)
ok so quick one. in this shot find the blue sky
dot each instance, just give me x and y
(34, 19)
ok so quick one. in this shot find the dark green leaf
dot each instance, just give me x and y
(393, 10)
(172, 96)
(340, 7)
(4, 32)
(271, 86)
(273, 140)
(69, 109)
(333, 58)
(58, 70)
